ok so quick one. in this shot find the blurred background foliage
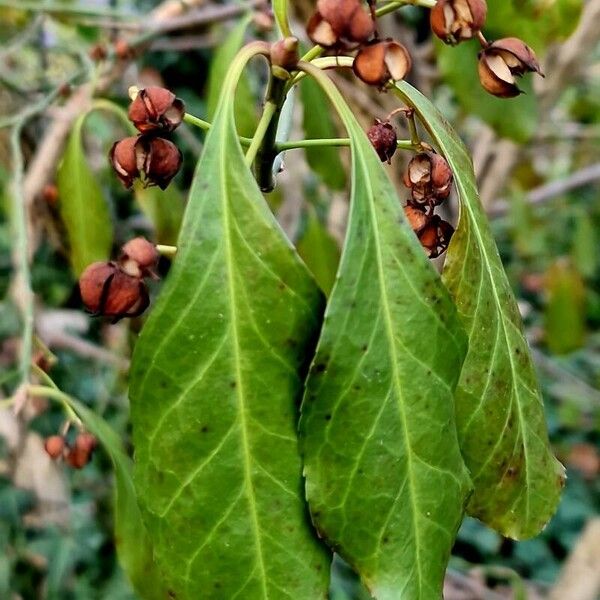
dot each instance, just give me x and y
(537, 161)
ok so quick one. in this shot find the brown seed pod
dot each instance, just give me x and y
(435, 236)
(284, 53)
(106, 290)
(54, 446)
(159, 160)
(417, 217)
(502, 62)
(384, 139)
(340, 24)
(139, 258)
(377, 63)
(429, 178)
(156, 109)
(455, 21)
(122, 157)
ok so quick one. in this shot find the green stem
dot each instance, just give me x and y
(263, 149)
(168, 251)
(115, 109)
(53, 393)
(292, 145)
(205, 126)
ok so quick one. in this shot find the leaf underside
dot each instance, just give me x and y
(216, 380)
(385, 480)
(83, 209)
(500, 415)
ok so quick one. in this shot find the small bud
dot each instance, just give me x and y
(417, 217)
(54, 446)
(377, 63)
(284, 53)
(77, 458)
(108, 291)
(429, 178)
(435, 236)
(156, 108)
(340, 24)
(98, 52)
(158, 160)
(139, 258)
(454, 21)
(501, 62)
(123, 50)
(122, 157)
(50, 194)
(384, 139)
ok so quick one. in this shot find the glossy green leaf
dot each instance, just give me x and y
(164, 209)
(318, 124)
(215, 385)
(500, 413)
(319, 250)
(385, 480)
(245, 102)
(83, 209)
(134, 547)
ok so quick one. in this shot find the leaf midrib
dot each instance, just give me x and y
(239, 389)
(392, 344)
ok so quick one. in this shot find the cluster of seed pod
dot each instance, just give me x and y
(76, 455)
(345, 25)
(116, 289)
(500, 62)
(148, 156)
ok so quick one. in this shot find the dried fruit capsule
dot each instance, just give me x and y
(435, 236)
(123, 159)
(340, 24)
(429, 178)
(501, 62)
(377, 63)
(384, 139)
(108, 291)
(158, 160)
(417, 217)
(156, 108)
(54, 446)
(139, 258)
(454, 21)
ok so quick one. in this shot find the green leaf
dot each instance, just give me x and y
(245, 102)
(319, 250)
(216, 379)
(83, 209)
(386, 483)
(164, 209)
(134, 547)
(318, 124)
(500, 413)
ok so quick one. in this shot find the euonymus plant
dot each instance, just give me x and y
(278, 417)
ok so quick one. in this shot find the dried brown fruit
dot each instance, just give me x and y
(54, 446)
(106, 290)
(435, 236)
(284, 53)
(340, 24)
(429, 178)
(122, 157)
(156, 109)
(454, 21)
(139, 258)
(502, 62)
(158, 160)
(417, 217)
(384, 139)
(377, 63)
